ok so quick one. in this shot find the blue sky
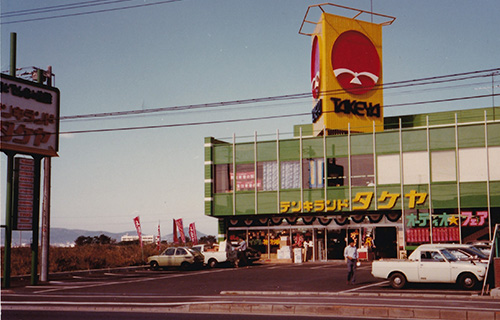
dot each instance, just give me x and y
(196, 52)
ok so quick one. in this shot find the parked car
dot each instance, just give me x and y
(220, 253)
(484, 246)
(176, 257)
(463, 252)
(252, 255)
(431, 264)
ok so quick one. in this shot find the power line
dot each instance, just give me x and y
(61, 7)
(91, 12)
(260, 118)
(388, 86)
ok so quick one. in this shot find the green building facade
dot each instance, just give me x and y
(425, 179)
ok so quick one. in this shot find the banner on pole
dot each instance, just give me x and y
(158, 243)
(180, 227)
(176, 238)
(192, 234)
(137, 224)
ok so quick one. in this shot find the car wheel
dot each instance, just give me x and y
(467, 281)
(212, 263)
(184, 265)
(397, 280)
(154, 265)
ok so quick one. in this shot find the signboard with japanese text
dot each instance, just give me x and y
(445, 225)
(361, 201)
(24, 201)
(30, 117)
(346, 74)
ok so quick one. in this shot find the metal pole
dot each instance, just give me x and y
(44, 271)
(8, 219)
(36, 222)
(13, 53)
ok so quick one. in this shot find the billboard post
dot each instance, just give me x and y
(30, 126)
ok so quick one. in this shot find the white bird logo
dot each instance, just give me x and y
(356, 75)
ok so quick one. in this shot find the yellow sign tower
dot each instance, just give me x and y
(346, 72)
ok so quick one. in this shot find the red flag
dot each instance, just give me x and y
(192, 234)
(137, 224)
(176, 239)
(180, 227)
(159, 238)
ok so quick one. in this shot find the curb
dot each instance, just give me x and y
(298, 310)
(371, 312)
(354, 294)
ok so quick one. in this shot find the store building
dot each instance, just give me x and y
(389, 183)
(425, 178)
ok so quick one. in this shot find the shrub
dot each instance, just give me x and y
(95, 256)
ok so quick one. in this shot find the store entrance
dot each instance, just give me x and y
(386, 242)
(336, 244)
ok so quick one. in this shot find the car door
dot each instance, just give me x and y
(433, 267)
(179, 257)
(167, 257)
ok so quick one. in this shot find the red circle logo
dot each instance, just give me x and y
(355, 62)
(315, 78)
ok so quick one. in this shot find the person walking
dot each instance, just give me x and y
(351, 256)
(242, 252)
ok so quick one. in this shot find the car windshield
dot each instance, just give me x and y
(449, 256)
(193, 251)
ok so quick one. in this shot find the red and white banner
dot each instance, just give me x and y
(137, 224)
(176, 239)
(158, 243)
(180, 227)
(192, 234)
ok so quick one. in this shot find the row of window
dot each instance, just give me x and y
(475, 164)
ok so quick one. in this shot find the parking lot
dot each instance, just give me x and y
(321, 278)
(261, 289)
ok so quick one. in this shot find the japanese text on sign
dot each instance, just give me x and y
(361, 201)
(469, 219)
(30, 117)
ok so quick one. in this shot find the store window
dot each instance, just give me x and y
(416, 167)
(245, 178)
(314, 173)
(443, 166)
(269, 172)
(290, 175)
(223, 174)
(473, 164)
(388, 169)
(362, 171)
(337, 170)
(494, 159)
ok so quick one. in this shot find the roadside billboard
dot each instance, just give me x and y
(29, 117)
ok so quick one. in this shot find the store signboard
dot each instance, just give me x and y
(30, 117)
(346, 74)
(361, 201)
(445, 226)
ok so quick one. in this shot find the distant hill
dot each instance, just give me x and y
(67, 237)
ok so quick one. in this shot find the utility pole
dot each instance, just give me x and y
(10, 182)
(47, 164)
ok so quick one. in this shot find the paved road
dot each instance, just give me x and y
(310, 289)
